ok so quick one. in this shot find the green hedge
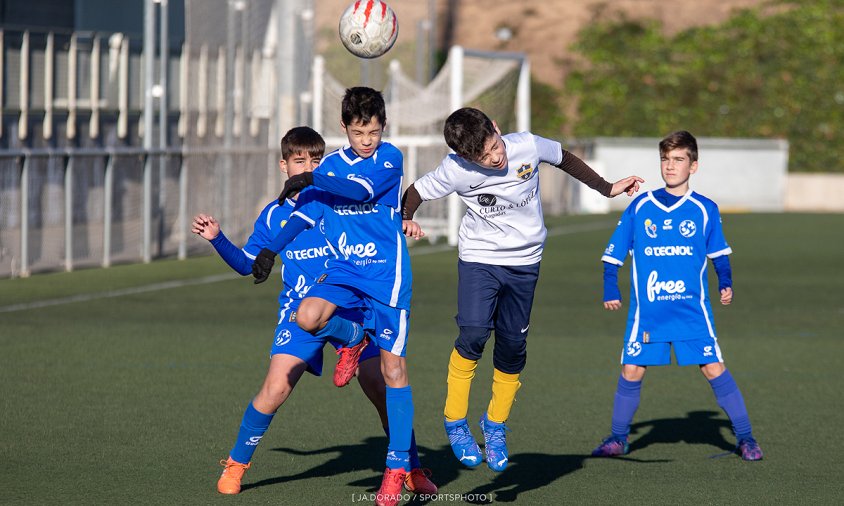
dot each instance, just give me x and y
(774, 72)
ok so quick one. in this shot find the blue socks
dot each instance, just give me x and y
(627, 397)
(729, 397)
(252, 429)
(341, 331)
(400, 419)
(414, 452)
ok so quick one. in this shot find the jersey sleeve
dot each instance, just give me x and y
(716, 243)
(621, 241)
(549, 151)
(437, 183)
(262, 231)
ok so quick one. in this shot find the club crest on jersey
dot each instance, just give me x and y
(283, 337)
(292, 318)
(525, 171)
(650, 228)
(687, 228)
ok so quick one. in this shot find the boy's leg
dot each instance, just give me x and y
(316, 316)
(636, 356)
(729, 398)
(512, 322)
(284, 372)
(372, 383)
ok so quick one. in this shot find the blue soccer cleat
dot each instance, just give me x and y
(495, 444)
(463, 443)
(749, 449)
(612, 446)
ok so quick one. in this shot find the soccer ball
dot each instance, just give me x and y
(368, 28)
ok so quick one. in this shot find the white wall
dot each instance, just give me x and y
(738, 174)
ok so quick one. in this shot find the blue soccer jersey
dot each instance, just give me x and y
(367, 237)
(303, 259)
(669, 246)
(381, 174)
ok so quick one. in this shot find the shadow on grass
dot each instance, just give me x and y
(698, 427)
(526, 471)
(368, 454)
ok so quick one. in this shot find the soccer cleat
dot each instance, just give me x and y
(347, 365)
(612, 447)
(391, 486)
(419, 481)
(463, 443)
(495, 444)
(749, 449)
(229, 482)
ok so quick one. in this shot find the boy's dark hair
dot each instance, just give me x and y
(467, 132)
(678, 140)
(302, 139)
(362, 104)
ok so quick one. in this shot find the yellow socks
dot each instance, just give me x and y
(504, 388)
(460, 374)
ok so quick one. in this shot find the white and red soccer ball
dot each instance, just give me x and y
(368, 28)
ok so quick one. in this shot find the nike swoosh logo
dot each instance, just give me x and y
(475, 187)
(525, 329)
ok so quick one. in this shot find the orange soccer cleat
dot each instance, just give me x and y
(229, 482)
(347, 365)
(419, 481)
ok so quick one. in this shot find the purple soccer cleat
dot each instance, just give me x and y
(612, 447)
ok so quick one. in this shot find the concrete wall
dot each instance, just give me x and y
(815, 193)
(738, 174)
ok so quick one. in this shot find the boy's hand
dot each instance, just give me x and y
(205, 226)
(263, 265)
(612, 305)
(726, 296)
(294, 185)
(628, 185)
(412, 229)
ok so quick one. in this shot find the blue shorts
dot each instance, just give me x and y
(290, 339)
(695, 352)
(386, 324)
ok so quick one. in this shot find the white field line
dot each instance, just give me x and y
(420, 250)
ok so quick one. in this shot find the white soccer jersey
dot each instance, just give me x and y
(503, 224)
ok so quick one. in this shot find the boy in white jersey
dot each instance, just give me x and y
(669, 233)
(500, 245)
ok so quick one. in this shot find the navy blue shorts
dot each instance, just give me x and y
(500, 298)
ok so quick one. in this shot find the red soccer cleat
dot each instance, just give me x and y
(391, 486)
(347, 366)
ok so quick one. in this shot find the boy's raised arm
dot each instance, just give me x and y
(578, 169)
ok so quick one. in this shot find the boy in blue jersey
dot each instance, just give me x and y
(354, 194)
(500, 244)
(293, 351)
(669, 233)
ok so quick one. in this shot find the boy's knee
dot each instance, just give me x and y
(510, 354)
(394, 372)
(471, 341)
(631, 372)
(713, 370)
(310, 316)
